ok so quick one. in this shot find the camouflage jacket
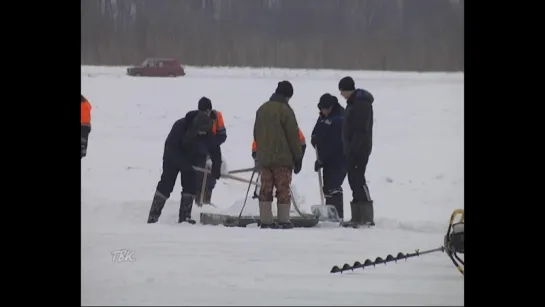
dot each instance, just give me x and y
(276, 133)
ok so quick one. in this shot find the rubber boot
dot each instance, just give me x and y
(156, 207)
(337, 201)
(284, 216)
(265, 214)
(367, 214)
(186, 204)
(355, 210)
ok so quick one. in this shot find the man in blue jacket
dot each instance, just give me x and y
(189, 140)
(327, 140)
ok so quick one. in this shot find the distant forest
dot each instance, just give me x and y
(396, 35)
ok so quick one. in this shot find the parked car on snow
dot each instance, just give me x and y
(157, 67)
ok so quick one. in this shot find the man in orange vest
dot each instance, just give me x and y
(85, 124)
(220, 136)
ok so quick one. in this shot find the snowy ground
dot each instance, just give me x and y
(415, 177)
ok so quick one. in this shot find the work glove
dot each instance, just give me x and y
(317, 165)
(297, 167)
(256, 164)
(216, 170)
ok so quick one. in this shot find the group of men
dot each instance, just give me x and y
(342, 138)
(192, 141)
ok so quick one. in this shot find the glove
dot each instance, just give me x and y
(297, 167)
(317, 165)
(216, 170)
(256, 164)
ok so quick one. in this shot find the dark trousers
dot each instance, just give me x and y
(333, 175)
(169, 176)
(357, 181)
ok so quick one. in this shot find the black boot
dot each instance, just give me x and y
(156, 207)
(367, 217)
(186, 204)
(337, 201)
(284, 225)
(267, 226)
(355, 210)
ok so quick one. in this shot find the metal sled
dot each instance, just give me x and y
(245, 220)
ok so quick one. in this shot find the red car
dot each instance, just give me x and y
(157, 67)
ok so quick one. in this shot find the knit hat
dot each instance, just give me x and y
(205, 104)
(327, 101)
(202, 123)
(347, 84)
(285, 89)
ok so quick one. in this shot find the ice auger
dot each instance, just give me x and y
(453, 246)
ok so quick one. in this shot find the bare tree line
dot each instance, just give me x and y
(399, 35)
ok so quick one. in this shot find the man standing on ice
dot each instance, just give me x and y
(219, 134)
(276, 134)
(327, 140)
(357, 136)
(189, 140)
(85, 110)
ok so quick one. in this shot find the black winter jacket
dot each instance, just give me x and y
(185, 148)
(327, 136)
(357, 132)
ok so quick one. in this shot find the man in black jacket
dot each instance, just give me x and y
(357, 138)
(189, 140)
(327, 140)
(219, 133)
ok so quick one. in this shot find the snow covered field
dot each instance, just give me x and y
(415, 177)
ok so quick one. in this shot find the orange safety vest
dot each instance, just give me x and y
(301, 139)
(85, 112)
(218, 126)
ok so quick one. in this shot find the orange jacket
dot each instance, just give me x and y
(85, 124)
(85, 112)
(218, 127)
(301, 139)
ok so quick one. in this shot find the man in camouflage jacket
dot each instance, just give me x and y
(276, 133)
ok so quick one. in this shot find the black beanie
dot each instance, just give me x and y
(205, 104)
(285, 89)
(202, 122)
(327, 101)
(347, 84)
